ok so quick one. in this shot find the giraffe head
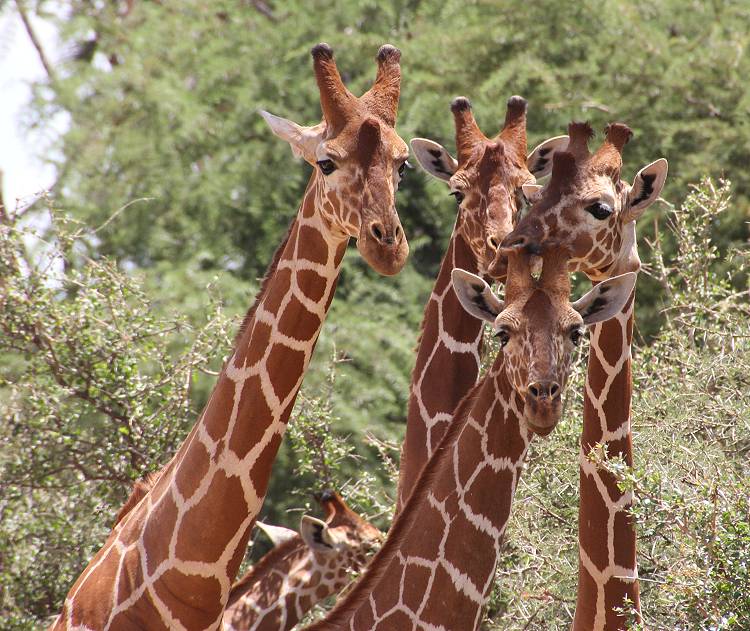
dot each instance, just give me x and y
(488, 176)
(358, 157)
(538, 327)
(343, 533)
(587, 208)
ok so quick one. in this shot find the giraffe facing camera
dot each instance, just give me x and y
(538, 327)
(357, 155)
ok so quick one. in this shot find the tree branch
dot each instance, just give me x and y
(35, 40)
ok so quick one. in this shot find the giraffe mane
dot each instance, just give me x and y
(271, 558)
(266, 278)
(401, 527)
(138, 492)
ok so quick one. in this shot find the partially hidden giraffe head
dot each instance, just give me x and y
(357, 155)
(343, 534)
(588, 208)
(488, 177)
(537, 325)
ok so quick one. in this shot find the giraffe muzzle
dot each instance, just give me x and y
(383, 245)
(543, 406)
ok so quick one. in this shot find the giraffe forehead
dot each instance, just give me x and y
(349, 144)
(492, 164)
(538, 311)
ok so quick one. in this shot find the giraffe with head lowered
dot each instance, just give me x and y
(303, 569)
(487, 180)
(171, 560)
(595, 218)
(437, 565)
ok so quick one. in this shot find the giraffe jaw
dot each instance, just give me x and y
(387, 260)
(542, 416)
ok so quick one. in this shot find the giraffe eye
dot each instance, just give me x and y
(575, 336)
(599, 210)
(327, 166)
(402, 168)
(458, 195)
(503, 336)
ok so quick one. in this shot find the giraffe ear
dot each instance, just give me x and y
(531, 192)
(646, 188)
(434, 158)
(303, 140)
(315, 534)
(475, 295)
(539, 162)
(277, 534)
(606, 299)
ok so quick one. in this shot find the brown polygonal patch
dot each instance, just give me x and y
(470, 550)
(216, 414)
(297, 322)
(140, 615)
(446, 607)
(131, 574)
(261, 470)
(610, 341)
(256, 348)
(312, 284)
(592, 533)
(191, 468)
(312, 245)
(277, 290)
(416, 578)
(387, 594)
(253, 417)
(625, 538)
(207, 527)
(158, 530)
(444, 393)
(490, 495)
(193, 600)
(286, 366)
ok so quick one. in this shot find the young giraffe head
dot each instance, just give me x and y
(343, 533)
(488, 177)
(538, 327)
(587, 208)
(358, 157)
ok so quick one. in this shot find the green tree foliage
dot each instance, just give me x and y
(95, 390)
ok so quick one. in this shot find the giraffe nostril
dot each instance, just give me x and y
(398, 231)
(493, 243)
(534, 391)
(376, 232)
(554, 389)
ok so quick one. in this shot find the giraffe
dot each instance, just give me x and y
(171, 561)
(437, 572)
(596, 219)
(303, 570)
(487, 180)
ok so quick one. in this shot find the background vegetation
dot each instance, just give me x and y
(119, 293)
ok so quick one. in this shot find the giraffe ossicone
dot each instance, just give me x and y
(588, 208)
(171, 559)
(437, 565)
(319, 561)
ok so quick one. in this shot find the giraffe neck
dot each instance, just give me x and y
(171, 560)
(284, 585)
(607, 571)
(448, 355)
(437, 566)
